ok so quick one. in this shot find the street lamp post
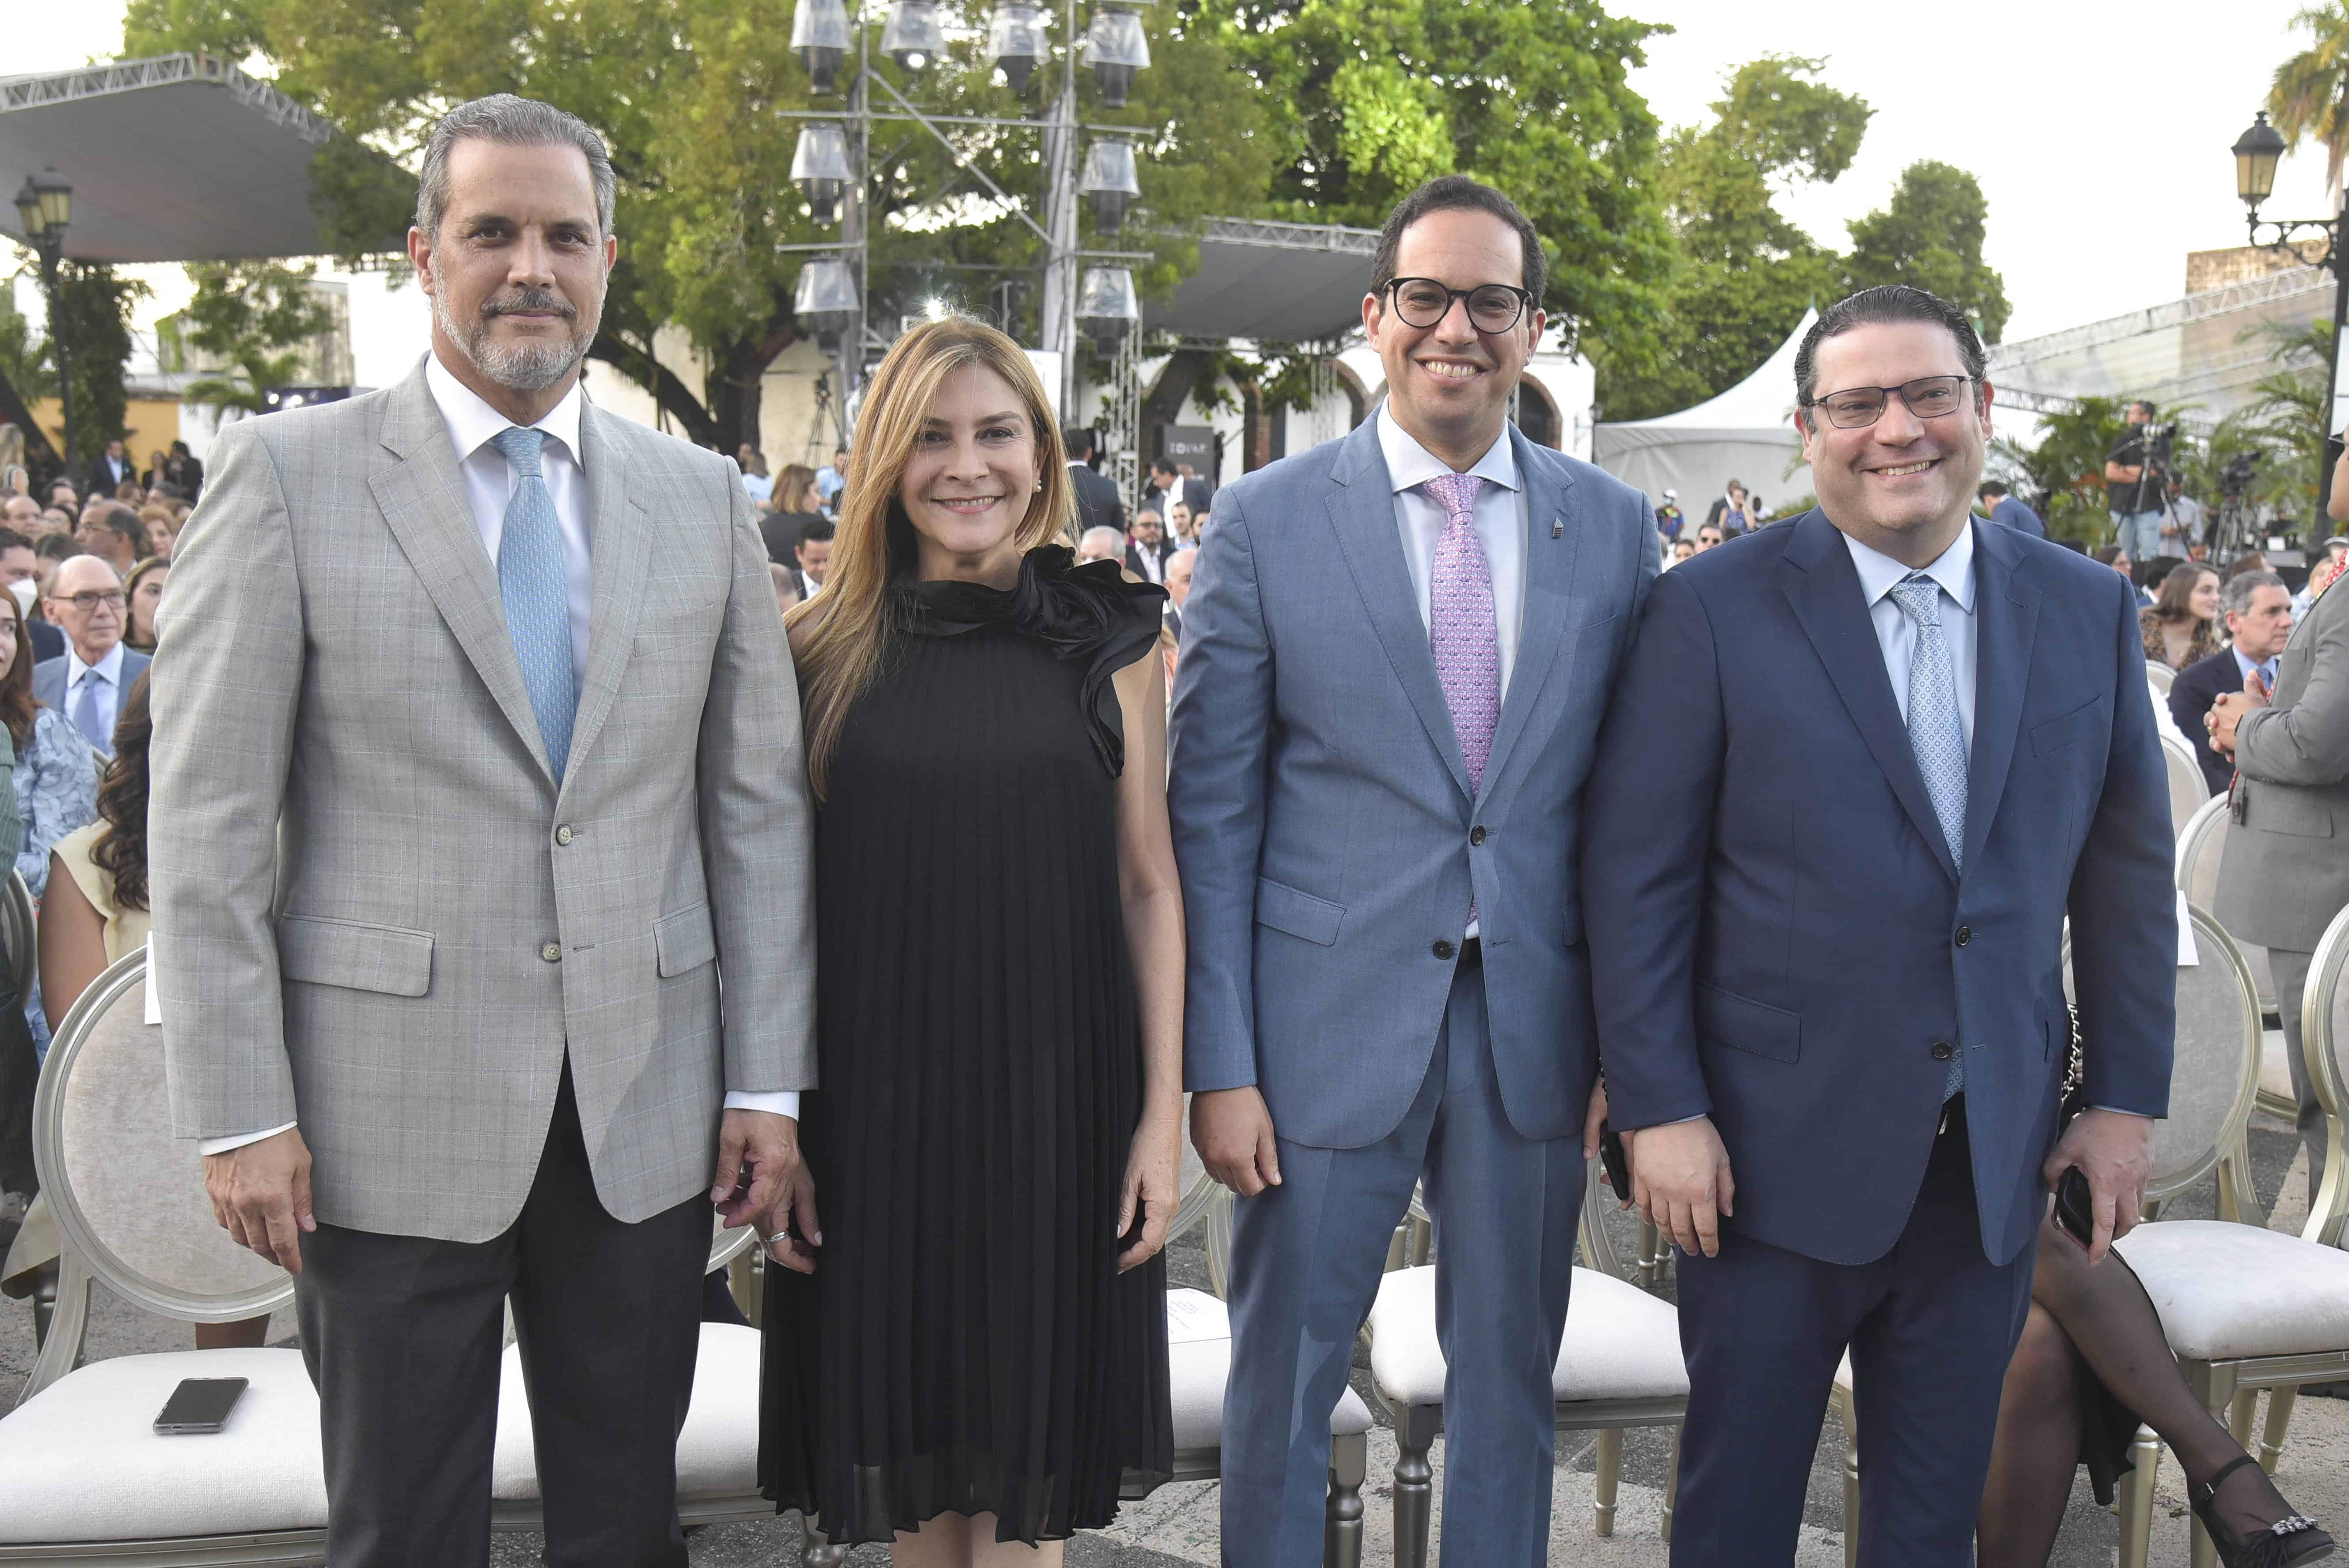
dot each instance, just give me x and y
(44, 207)
(2256, 153)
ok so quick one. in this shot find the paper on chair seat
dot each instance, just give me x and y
(154, 1000)
(1193, 1316)
(2188, 956)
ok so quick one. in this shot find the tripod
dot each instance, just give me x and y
(827, 413)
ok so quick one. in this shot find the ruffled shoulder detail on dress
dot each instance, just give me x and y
(1091, 614)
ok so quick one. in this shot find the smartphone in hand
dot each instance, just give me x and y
(2075, 1207)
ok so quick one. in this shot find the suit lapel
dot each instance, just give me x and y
(1550, 565)
(1362, 512)
(619, 550)
(2006, 622)
(1824, 590)
(423, 500)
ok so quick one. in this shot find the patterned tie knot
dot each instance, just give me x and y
(522, 448)
(1919, 597)
(1455, 493)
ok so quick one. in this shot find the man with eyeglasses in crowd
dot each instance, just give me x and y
(1387, 981)
(87, 681)
(1856, 778)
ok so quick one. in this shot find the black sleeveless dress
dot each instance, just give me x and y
(966, 1344)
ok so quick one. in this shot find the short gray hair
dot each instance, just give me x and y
(2236, 597)
(510, 121)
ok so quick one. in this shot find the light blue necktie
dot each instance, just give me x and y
(536, 591)
(86, 716)
(1935, 734)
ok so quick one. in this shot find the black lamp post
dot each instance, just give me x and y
(2256, 153)
(45, 206)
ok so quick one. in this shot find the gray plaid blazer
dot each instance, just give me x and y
(375, 912)
(2285, 875)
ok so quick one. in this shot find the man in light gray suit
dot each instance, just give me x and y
(2286, 873)
(477, 754)
(85, 682)
(1396, 651)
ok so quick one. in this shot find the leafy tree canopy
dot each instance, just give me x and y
(253, 318)
(694, 99)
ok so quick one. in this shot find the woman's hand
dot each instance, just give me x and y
(1149, 1167)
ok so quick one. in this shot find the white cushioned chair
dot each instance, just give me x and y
(2159, 676)
(1619, 1367)
(2189, 790)
(2201, 850)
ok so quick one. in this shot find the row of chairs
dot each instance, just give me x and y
(83, 1477)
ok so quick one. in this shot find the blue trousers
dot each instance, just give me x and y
(1306, 1258)
(1931, 1326)
(2139, 534)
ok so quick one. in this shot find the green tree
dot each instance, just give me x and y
(256, 318)
(2310, 100)
(1367, 98)
(1931, 236)
(1747, 273)
(25, 360)
(94, 306)
(693, 98)
(2066, 468)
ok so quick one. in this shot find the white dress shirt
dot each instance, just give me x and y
(1500, 520)
(489, 485)
(1897, 634)
(106, 690)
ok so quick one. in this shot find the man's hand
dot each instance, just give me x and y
(260, 1196)
(2115, 1151)
(2226, 714)
(1231, 1130)
(1592, 1118)
(1681, 1181)
(790, 1244)
(757, 1159)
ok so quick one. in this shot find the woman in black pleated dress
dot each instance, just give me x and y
(976, 1367)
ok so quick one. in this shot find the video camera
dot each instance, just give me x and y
(2237, 476)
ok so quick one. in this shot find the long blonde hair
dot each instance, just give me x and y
(849, 625)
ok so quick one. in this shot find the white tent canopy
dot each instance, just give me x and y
(1746, 432)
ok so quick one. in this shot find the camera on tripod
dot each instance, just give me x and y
(2237, 476)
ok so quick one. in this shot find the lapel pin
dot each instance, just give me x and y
(1557, 527)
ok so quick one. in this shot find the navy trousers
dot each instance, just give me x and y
(1307, 1257)
(1931, 1326)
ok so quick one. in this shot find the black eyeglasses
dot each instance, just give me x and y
(1492, 307)
(112, 598)
(1927, 397)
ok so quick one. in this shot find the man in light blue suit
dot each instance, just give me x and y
(1395, 655)
(1860, 768)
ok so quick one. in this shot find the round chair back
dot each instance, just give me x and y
(127, 1194)
(2201, 849)
(2215, 1071)
(16, 932)
(2325, 1037)
(2189, 790)
(2159, 676)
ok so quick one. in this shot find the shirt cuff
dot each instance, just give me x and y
(212, 1145)
(776, 1102)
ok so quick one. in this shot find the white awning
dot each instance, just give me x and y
(1273, 283)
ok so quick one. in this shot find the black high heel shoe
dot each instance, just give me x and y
(2289, 1542)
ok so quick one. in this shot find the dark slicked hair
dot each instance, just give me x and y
(1893, 302)
(1459, 194)
(1991, 487)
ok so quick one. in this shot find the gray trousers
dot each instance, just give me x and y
(2290, 972)
(1306, 1258)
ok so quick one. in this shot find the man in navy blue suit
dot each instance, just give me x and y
(1859, 769)
(2010, 510)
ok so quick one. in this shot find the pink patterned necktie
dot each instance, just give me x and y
(1461, 623)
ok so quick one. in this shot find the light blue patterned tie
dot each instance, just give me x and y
(1935, 734)
(536, 591)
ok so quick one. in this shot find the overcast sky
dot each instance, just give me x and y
(2099, 132)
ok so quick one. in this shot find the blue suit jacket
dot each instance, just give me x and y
(1323, 823)
(50, 678)
(1778, 932)
(2018, 515)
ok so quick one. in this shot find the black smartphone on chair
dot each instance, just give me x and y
(2075, 1207)
(199, 1405)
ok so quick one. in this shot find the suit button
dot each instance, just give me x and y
(1943, 1050)
(563, 833)
(552, 952)
(1965, 935)
(1477, 835)
(1445, 951)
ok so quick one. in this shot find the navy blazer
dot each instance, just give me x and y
(2017, 515)
(2194, 693)
(1779, 938)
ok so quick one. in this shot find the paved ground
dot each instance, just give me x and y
(1176, 1525)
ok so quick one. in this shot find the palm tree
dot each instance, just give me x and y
(2311, 96)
